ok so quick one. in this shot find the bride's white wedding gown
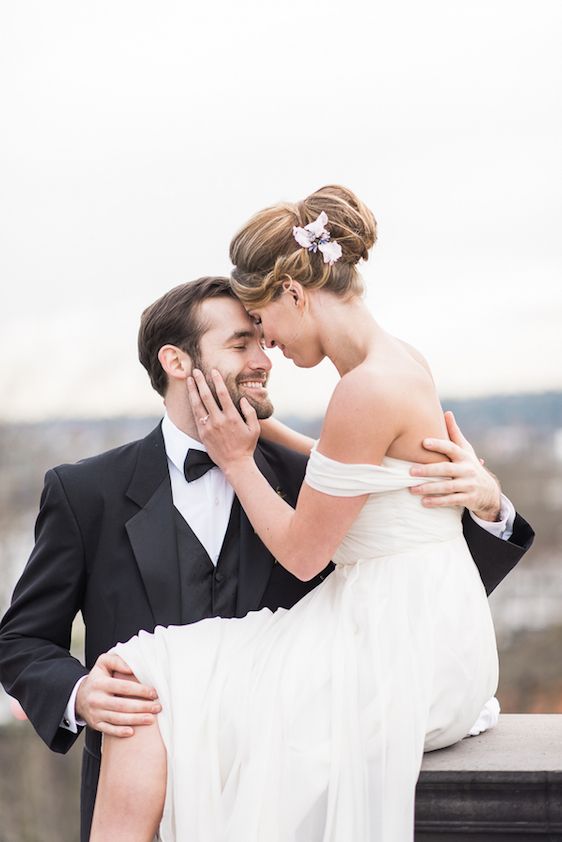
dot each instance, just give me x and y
(309, 725)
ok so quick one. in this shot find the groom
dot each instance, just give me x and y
(151, 533)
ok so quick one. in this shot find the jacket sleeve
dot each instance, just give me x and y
(35, 663)
(493, 556)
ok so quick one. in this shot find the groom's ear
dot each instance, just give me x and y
(175, 362)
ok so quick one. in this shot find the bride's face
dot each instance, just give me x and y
(287, 323)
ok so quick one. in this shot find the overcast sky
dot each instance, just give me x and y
(138, 136)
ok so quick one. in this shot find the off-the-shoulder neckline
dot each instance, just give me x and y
(361, 464)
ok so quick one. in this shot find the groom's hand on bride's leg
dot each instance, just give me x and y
(111, 700)
(466, 481)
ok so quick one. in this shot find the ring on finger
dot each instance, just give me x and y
(204, 419)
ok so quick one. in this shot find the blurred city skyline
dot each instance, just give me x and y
(138, 138)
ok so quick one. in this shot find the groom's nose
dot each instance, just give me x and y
(260, 359)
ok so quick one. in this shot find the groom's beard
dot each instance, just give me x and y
(235, 388)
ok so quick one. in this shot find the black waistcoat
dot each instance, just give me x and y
(206, 590)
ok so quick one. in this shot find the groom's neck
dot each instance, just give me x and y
(180, 414)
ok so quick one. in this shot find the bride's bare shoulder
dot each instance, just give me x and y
(415, 355)
(363, 416)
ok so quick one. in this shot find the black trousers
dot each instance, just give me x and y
(88, 789)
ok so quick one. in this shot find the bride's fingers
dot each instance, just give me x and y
(199, 410)
(250, 416)
(222, 393)
(205, 395)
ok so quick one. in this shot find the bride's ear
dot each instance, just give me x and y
(175, 362)
(295, 290)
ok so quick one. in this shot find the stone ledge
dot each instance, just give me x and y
(505, 784)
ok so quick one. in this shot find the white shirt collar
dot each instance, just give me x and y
(177, 443)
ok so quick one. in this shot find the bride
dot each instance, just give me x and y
(309, 725)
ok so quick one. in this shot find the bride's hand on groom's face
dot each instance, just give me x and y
(466, 482)
(228, 437)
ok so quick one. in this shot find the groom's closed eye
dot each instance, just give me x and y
(241, 339)
(240, 336)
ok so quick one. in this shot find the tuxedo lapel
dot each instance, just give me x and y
(152, 530)
(152, 534)
(256, 562)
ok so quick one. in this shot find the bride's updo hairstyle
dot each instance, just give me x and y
(265, 253)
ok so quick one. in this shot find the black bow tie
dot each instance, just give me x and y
(196, 464)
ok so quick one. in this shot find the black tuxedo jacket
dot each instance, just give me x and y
(106, 547)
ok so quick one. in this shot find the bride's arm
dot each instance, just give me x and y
(131, 788)
(302, 540)
(279, 433)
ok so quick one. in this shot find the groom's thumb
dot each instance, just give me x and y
(453, 429)
(111, 663)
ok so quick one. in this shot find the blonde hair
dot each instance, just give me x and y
(265, 253)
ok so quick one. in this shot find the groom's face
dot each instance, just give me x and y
(231, 343)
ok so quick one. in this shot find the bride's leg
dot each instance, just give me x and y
(132, 787)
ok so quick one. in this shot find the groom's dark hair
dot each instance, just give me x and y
(174, 320)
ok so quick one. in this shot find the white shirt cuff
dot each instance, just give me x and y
(70, 721)
(502, 528)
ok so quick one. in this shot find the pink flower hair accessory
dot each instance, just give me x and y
(314, 237)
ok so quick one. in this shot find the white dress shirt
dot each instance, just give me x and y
(502, 528)
(205, 504)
